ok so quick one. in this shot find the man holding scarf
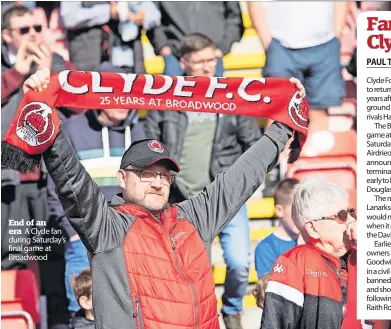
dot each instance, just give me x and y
(150, 260)
(206, 144)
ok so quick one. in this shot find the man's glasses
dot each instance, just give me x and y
(150, 176)
(207, 62)
(26, 29)
(341, 216)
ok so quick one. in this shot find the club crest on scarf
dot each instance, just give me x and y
(35, 125)
(297, 111)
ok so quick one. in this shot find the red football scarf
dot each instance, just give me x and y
(36, 125)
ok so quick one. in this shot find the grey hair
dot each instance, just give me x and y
(311, 199)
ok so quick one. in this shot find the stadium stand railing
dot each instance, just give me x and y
(19, 300)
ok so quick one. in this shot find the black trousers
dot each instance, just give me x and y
(85, 48)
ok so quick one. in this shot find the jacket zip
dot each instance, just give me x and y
(137, 299)
(138, 313)
(190, 281)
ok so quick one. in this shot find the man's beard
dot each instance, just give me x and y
(153, 208)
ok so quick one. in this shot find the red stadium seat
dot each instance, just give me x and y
(382, 324)
(19, 300)
(16, 320)
(330, 155)
(329, 143)
(341, 118)
(341, 170)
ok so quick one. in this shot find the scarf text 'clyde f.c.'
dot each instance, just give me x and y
(36, 123)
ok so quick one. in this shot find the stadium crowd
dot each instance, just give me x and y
(194, 38)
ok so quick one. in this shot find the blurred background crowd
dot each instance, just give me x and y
(312, 41)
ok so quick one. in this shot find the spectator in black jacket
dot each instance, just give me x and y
(221, 21)
(205, 145)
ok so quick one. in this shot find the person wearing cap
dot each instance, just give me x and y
(106, 136)
(206, 144)
(150, 260)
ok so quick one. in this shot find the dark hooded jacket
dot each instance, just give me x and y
(99, 148)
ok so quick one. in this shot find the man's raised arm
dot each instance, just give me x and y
(212, 209)
(99, 226)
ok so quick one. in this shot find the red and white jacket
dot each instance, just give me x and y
(304, 291)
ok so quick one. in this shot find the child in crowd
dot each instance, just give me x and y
(82, 286)
(285, 236)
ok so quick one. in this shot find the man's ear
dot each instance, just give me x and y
(121, 178)
(5, 34)
(312, 230)
(278, 210)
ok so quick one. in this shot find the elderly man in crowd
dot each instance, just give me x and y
(308, 284)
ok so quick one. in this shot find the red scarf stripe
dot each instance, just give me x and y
(36, 125)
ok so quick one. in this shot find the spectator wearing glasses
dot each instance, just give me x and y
(106, 135)
(23, 49)
(308, 284)
(206, 144)
(150, 261)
